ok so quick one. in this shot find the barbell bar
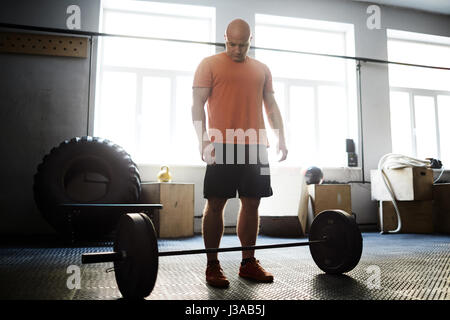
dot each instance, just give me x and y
(246, 248)
(335, 244)
(96, 257)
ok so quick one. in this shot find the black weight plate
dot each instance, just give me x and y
(357, 245)
(329, 256)
(136, 275)
(343, 249)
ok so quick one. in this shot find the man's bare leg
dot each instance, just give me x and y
(247, 230)
(212, 224)
(248, 224)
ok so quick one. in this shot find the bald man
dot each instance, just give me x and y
(235, 87)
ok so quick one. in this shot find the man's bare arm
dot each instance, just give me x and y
(200, 96)
(276, 122)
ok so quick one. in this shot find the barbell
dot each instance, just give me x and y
(335, 243)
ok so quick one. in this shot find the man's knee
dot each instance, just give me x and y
(215, 205)
(250, 203)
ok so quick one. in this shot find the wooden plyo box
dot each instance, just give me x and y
(288, 225)
(408, 184)
(329, 197)
(281, 226)
(416, 216)
(176, 219)
(441, 207)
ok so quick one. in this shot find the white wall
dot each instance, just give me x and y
(375, 94)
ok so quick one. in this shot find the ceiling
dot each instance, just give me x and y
(435, 6)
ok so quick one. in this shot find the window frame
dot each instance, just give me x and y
(349, 83)
(143, 8)
(412, 92)
(400, 36)
(314, 85)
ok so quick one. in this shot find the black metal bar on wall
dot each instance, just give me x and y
(101, 34)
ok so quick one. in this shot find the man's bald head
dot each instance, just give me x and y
(238, 29)
(237, 40)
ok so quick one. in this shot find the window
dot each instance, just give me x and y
(144, 89)
(419, 97)
(316, 94)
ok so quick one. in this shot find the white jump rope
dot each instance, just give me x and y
(399, 161)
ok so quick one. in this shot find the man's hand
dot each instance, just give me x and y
(207, 152)
(281, 147)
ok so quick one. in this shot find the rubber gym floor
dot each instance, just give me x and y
(392, 267)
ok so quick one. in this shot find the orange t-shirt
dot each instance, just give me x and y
(236, 98)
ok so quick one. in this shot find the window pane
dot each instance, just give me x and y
(306, 39)
(153, 54)
(157, 25)
(116, 119)
(154, 142)
(142, 53)
(332, 125)
(425, 127)
(444, 128)
(310, 36)
(421, 78)
(418, 53)
(302, 126)
(185, 135)
(302, 66)
(401, 123)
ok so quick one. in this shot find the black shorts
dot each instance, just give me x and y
(241, 168)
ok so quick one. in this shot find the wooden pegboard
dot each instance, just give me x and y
(29, 43)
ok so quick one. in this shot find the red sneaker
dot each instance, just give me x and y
(252, 270)
(215, 276)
